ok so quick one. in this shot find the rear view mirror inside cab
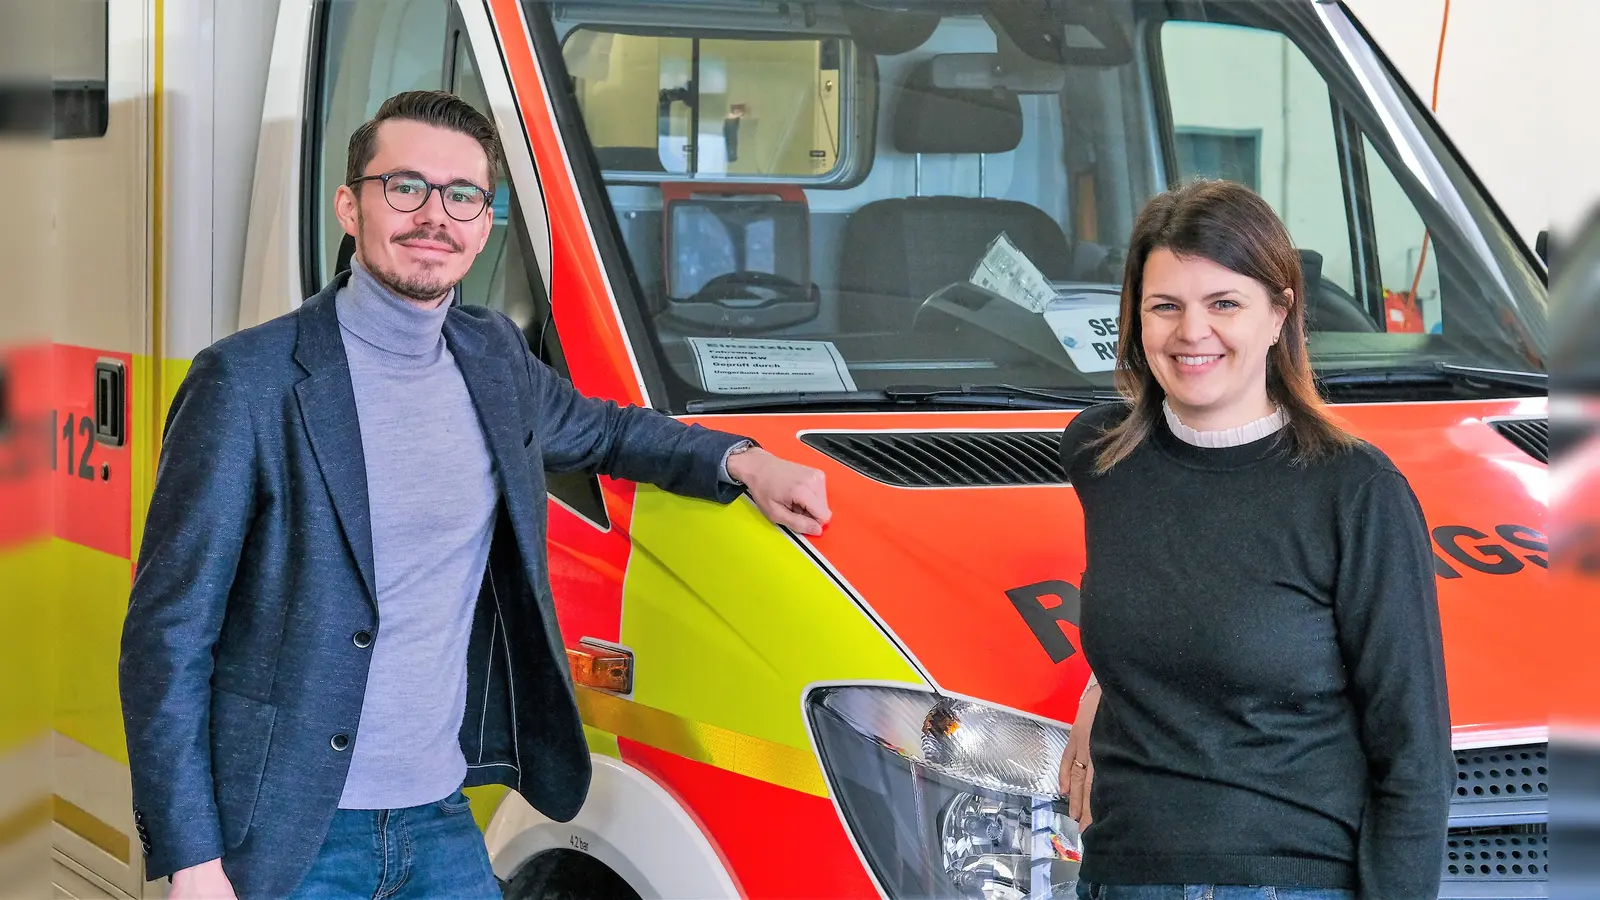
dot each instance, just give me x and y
(990, 71)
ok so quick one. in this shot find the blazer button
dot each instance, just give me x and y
(340, 742)
(362, 639)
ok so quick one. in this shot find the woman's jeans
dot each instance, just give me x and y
(1088, 891)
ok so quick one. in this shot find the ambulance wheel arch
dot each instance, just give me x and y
(629, 824)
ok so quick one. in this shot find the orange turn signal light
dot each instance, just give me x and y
(599, 666)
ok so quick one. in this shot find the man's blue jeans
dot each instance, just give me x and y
(1087, 891)
(429, 851)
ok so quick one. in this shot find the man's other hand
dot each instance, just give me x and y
(790, 494)
(206, 881)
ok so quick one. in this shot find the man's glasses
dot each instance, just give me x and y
(408, 192)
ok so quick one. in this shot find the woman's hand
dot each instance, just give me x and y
(1077, 771)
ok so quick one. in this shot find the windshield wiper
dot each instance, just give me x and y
(1436, 374)
(985, 396)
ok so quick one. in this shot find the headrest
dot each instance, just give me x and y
(887, 32)
(936, 120)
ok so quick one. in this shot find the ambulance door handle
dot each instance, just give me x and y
(6, 406)
(110, 402)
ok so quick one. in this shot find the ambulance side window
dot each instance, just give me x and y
(366, 51)
(1267, 119)
(505, 276)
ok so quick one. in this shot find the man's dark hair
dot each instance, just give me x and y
(438, 108)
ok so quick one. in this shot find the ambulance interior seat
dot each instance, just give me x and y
(736, 259)
(1328, 307)
(898, 252)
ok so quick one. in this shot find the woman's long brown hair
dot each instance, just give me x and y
(1230, 225)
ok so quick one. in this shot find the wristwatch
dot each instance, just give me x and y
(733, 451)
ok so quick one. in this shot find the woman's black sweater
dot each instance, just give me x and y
(1267, 639)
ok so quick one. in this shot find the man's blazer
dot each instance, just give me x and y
(242, 675)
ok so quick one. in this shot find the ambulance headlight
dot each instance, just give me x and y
(948, 798)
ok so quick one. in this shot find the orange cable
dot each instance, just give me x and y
(1438, 66)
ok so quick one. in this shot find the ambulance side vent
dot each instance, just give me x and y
(1532, 436)
(948, 459)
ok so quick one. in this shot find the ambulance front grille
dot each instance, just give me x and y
(1514, 853)
(1492, 774)
(1499, 833)
(948, 459)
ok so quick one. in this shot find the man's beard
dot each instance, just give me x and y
(421, 288)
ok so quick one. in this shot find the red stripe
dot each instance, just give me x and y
(778, 843)
(55, 478)
(25, 483)
(93, 481)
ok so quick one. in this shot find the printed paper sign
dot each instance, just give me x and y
(1008, 272)
(1088, 332)
(753, 366)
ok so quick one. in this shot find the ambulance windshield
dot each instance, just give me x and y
(850, 196)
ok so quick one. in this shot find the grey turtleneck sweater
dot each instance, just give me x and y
(431, 487)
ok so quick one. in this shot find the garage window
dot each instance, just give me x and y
(1221, 153)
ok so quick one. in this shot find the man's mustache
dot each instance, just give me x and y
(423, 234)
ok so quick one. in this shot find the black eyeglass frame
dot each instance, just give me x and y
(488, 195)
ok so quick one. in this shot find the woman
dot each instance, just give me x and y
(1270, 717)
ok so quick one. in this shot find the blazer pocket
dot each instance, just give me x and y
(241, 733)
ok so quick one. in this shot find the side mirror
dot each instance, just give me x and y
(1541, 246)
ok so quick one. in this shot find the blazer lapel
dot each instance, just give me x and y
(488, 379)
(328, 409)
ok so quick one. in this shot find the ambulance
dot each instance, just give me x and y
(885, 239)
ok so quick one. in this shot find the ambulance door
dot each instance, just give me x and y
(105, 281)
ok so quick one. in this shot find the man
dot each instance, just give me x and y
(342, 613)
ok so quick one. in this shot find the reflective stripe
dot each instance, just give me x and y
(742, 754)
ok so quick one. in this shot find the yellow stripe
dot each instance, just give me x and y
(29, 820)
(88, 615)
(751, 756)
(78, 821)
(30, 579)
(730, 622)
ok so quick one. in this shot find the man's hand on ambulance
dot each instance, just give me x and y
(790, 494)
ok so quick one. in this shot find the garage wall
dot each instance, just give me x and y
(1515, 94)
